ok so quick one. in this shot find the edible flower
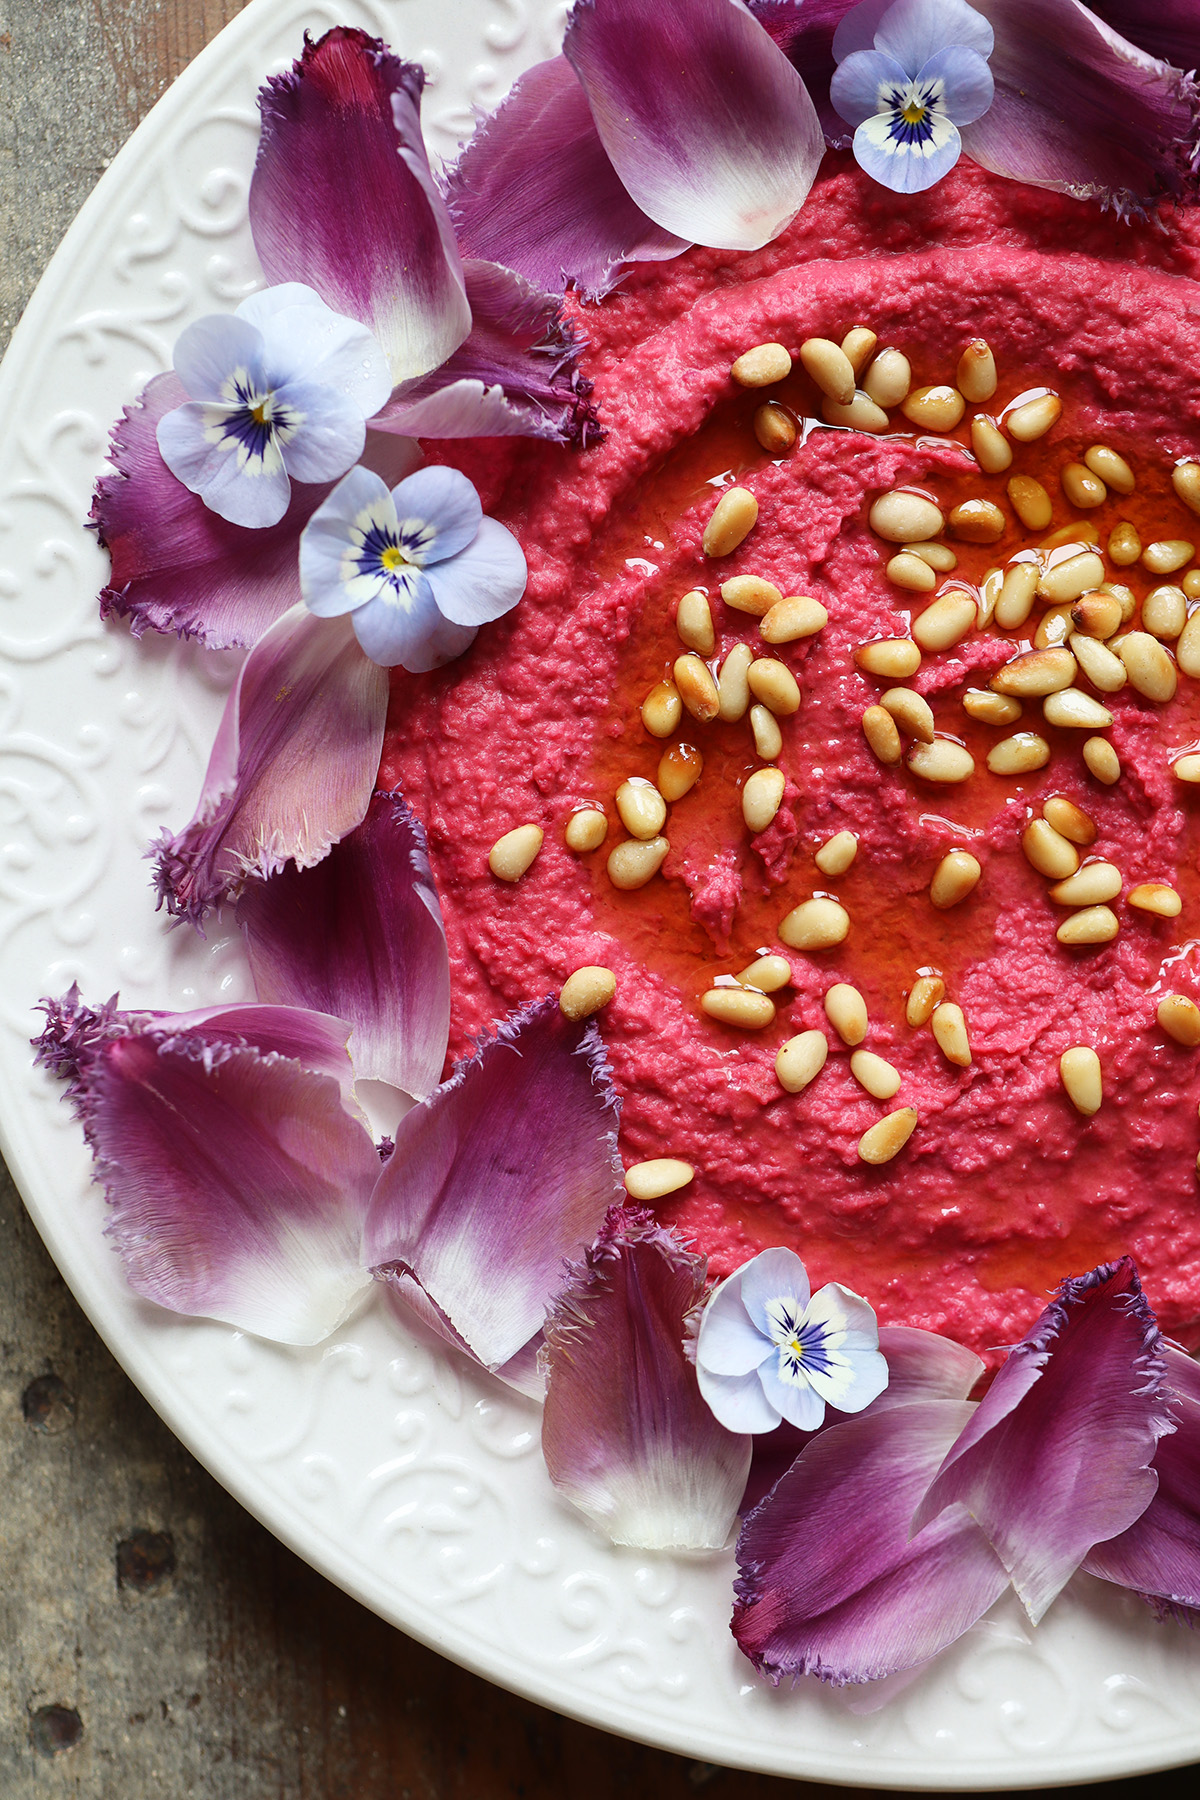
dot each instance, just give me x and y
(418, 567)
(280, 390)
(924, 74)
(768, 1349)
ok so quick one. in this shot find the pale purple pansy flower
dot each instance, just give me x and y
(768, 1349)
(279, 391)
(924, 74)
(417, 567)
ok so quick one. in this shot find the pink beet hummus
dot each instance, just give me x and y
(1003, 1188)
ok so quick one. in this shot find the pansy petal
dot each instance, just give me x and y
(913, 31)
(439, 513)
(333, 437)
(830, 1582)
(1058, 1452)
(907, 166)
(967, 83)
(797, 1402)
(238, 1183)
(706, 122)
(208, 349)
(292, 768)
(507, 1169)
(855, 29)
(342, 198)
(308, 341)
(576, 222)
(856, 83)
(739, 1402)
(852, 1372)
(770, 1275)
(361, 499)
(626, 1435)
(485, 581)
(360, 936)
(253, 492)
(399, 626)
(729, 1341)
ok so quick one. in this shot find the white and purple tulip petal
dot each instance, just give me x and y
(292, 769)
(706, 122)
(1081, 110)
(914, 31)
(1057, 1456)
(408, 1297)
(806, 30)
(360, 935)
(342, 198)
(626, 1435)
(576, 222)
(830, 1581)
(507, 1170)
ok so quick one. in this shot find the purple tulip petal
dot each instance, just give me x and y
(831, 1584)
(1169, 29)
(1057, 1455)
(292, 768)
(924, 1366)
(914, 31)
(706, 122)
(342, 198)
(575, 222)
(361, 936)
(503, 1173)
(1080, 110)
(855, 29)
(626, 1435)
(807, 34)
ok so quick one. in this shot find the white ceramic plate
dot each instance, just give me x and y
(400, 1473)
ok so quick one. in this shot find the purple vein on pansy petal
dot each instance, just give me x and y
(626, 1434)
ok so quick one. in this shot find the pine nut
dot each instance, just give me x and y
(939, 556)
(775, 428)
(1187, 650)
(1124, 544)
(1165, 555)
(733, 518)
(1091, 885)
(1186, 768)
(1034, 418)
(911, 712)
(1016, 595)
(878, 1077)
(739, 1006)
(1094, 925)
(861, 414)
(991, 709)
(761, 366)
(1048, 851)
(767, 973)
(633, 863)
(662, 709)
(1179, 1016)
(846, 1011)
(858, 347)
(511, 855)
(945, 621)
(679, 769)
(950, 1033)
(733, 689)
(801, 1060)
(1112, 469)
(1030, 502)
(830, 368)
(657, 1177)
(1097, 615)
(773, 683)
(586, 991)
(888, 1136)
(911, 572)
(1124, 596)
(900, 516)
(1069, 820)
(837, 853)
(991, 448)
(1065, 581)
(768, 739)
(1073, 710)
(750, 594)
(879, 729)
(1185, 479)
(937, 408)
(585, 830)
(1020, 754)
(1156, 897)
(1148, 666)
(1033, 674)
(641, 808)
(696, 687)
(1081, 1075)
(956, 876)
(926, 993)
(1054, 627)
(894, 658)
(762, 797)
(1082, 487)
(1164, 612)
(815, 924)
(976, 373)
(1102, 760)
(795, 616)
(693, 622)
(1080, 534)
(943, 761)
(889, 378)
(978, 522)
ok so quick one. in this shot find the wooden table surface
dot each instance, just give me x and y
(154, 1639)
